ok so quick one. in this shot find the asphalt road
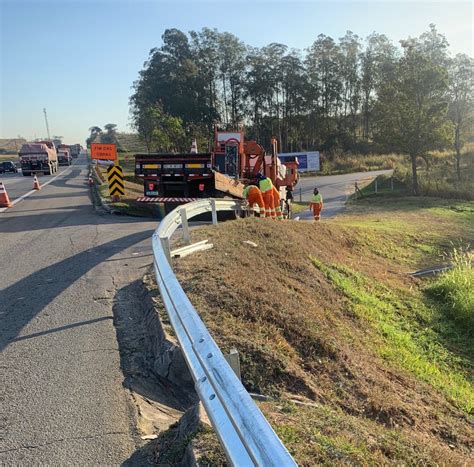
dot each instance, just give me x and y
(61, 266)
(62, 399)
(17, 185)
(334, 189)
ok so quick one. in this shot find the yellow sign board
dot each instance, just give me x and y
(115, 178)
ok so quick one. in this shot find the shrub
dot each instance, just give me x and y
(454, 290)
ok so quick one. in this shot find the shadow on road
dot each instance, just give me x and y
(22, 301)
(61, 328)
(64, 217)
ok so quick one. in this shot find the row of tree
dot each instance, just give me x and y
(346, 95)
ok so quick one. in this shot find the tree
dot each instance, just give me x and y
(412, 108)
(461, 102)
(173, 79)
(110, 137)
(95, 132)
(205, 47)
(322, 63)
(377, 65)
(231, 53)
(349, 46)
(160, 131)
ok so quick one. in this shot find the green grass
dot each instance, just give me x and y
(405, 341)
(438, 179)
(322, 435)
(349, 163)
(454, 290)
(298, 207)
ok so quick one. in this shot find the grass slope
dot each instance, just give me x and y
(366, 364)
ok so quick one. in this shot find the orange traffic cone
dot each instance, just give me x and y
(4, 199)
(36, 183)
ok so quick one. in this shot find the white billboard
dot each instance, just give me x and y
(307, 161)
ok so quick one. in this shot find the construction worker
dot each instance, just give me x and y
(266, 187)
(253, 195)
(316, 204)
(277, 204)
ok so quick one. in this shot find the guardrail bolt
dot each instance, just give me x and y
(203, 379)
(201, 340)
(209, 355)
(212, 396)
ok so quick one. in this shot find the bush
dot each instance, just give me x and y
(454, 290)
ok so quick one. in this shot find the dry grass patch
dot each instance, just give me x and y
(318, 312)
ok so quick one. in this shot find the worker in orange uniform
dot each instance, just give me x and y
(316, 204)
(266, 187)
(253, 195)
(276, 204)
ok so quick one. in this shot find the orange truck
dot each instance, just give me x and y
(177, 178)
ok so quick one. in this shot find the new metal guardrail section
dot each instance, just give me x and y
(245, 434)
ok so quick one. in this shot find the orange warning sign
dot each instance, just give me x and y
(104, 151)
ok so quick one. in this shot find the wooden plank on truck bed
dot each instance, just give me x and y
(228, 185)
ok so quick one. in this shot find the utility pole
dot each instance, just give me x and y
(46, 121)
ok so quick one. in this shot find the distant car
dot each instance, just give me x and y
(8, 166)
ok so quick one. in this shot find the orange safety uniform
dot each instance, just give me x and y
(276, 204)
(266, 187)
(254, 196)
(316, 205)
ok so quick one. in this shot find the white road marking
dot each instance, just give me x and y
(22, 197)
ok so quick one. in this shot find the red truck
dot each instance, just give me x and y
(38, 157)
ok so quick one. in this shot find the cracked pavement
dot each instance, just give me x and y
(61, 263)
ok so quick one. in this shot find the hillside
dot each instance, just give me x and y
(126, 142)
(11, 145)
(363, 365)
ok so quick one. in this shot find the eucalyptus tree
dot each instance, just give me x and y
(412, 107)
(461, 102)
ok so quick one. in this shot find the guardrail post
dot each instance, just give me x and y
(214, 211)
(391, 183)
(355, 190)
(376, 186)
(233, 359)
(301, 196)
(184, 223)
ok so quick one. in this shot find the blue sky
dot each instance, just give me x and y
(79, 58)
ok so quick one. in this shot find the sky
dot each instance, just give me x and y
(79, 59)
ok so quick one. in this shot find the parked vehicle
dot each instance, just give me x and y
(8, 166)
(38, 157)
(64, 155)
(174, 178)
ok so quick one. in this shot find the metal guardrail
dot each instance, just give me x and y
(245, 434)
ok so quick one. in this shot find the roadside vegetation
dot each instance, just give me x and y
(349, 99)
(436, 177)
(454, 290)
(364, 363)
